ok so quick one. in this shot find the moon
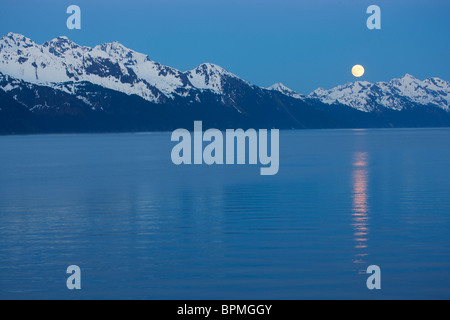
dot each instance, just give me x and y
(358, 70)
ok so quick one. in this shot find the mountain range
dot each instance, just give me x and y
(60, 86)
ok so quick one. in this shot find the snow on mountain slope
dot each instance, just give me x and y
(61, 60)
(395, 94)
(110, 65)
(166, 79)
(286, 91)
(211, 77)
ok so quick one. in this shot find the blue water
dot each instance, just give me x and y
(140, 227)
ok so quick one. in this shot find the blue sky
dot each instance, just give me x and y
(303, 44)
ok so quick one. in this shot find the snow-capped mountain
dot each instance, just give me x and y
(211, 77)
(286, 91)
(109, 65)
(396, 94)
(116, 67)
(60, 86)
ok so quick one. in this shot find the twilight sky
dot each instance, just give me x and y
(303, 44)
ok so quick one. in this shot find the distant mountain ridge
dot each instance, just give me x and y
(60, 86)
(396, 94)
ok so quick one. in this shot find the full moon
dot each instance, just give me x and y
(358, 70)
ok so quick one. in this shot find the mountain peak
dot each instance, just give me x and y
(211, 76)
(210, 68)
(279, 87)
(207, 76)
(17, 39)
(60, 45)
(409, 76)
(406, 79)
(285, 90)
(118, 51)
(14, 35)
(59, 42)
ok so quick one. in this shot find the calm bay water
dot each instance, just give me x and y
(140, 227)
